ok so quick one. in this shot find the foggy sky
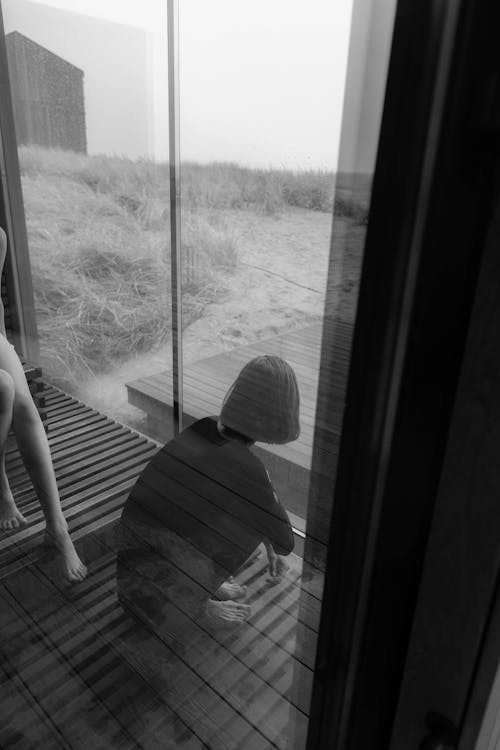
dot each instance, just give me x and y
(261, 81)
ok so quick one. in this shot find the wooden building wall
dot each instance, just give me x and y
(47, 94)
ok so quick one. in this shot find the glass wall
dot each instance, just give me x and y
(197, 624)
(261, 91)
(89, 94)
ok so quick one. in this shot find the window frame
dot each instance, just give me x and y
(433, 166)
(12, 217)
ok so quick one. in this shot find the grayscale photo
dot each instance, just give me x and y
(249, 375)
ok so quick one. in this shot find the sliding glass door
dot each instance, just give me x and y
(278, 108)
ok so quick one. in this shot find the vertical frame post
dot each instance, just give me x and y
(12, 216)
(175, 210)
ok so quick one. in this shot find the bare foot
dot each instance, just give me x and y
(73, 568)
(10, 516)
(226, 613)
(231, 589)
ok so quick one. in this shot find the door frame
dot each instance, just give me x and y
(432, 192)
(12, 218)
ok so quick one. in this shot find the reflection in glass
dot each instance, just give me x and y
(215, 642)
(204, 504)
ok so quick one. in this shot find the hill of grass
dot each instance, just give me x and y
(98, 232)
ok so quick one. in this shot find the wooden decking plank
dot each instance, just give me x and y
(84, 432)
(99, 620)
(228, 650)
(231, 693)
(268, 594)
(74, 419)
(298, 452)
(68, 411)
(55, 399)
(65, 456)
(229, 671)
(108, 484)
(192, 698)
(228, 365)
(285, 606)
(90, 497)
(84, 475)
(244, 690)
(222, 368)
(312, 580)
(225, 367)
(55, 703)
(119, 688)
(297, 349)
(306, 628)
(106, 509)
(98, 433)
(294, 452)
(201, 396)
(71, 476)
(217, 380)
(306, 363)
(198, 403)
(198, 386)
(22, 722)
(102, 668)
(74, 427)
(307, 339)
(117, 611)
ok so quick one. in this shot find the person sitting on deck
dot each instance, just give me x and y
(203, 505)
(18, 410)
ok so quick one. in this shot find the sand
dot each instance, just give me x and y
(279, 284)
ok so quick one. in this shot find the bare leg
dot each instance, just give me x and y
(3, 255)
(35, 451)
(10, 517)
(34, 448)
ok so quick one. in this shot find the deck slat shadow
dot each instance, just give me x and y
(78, 671)
(96, 461)
(93, 673)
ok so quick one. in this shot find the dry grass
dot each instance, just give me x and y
(101, 273)
(99, 242)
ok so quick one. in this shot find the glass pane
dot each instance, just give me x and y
(89, 90)
(196, 625)
(264, 165)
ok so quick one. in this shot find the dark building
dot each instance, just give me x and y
(47, 94)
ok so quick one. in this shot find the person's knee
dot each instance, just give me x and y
(3, 247)
(24, 408)
(7, 390)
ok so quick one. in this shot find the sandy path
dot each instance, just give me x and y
(279, 284)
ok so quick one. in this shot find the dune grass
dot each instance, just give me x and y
(101, 264)
(98, 231)
(141, 187)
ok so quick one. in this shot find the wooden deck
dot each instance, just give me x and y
(78, 672)
(206, 382)
(96, 462)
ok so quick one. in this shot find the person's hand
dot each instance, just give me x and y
(277, 564)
